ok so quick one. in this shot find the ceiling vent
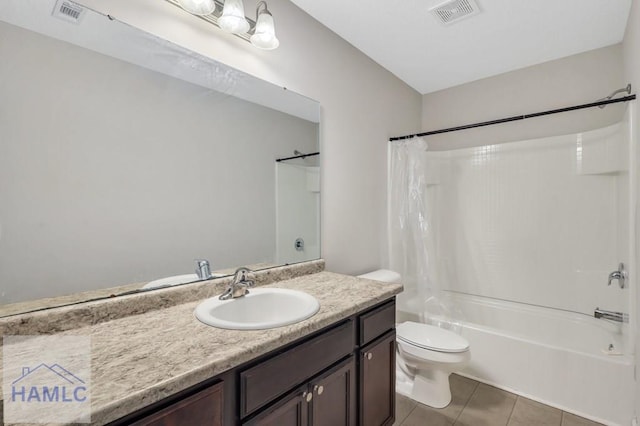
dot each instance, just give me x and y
(452, 11)
(68, 11)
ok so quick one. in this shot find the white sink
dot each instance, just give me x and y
(262, 308)
(176, 280)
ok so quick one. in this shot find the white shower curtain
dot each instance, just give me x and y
(409, 227)
(411, 240)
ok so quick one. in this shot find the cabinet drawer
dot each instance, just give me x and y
(377, 322)
(205, 408)
(276, 376)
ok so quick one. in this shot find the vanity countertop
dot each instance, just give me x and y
(138, 360)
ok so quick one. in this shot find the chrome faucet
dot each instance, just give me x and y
(610, 315)
(620, 275)
(203, 270)
(239, 285)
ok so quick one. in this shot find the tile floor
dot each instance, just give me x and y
(477, 404)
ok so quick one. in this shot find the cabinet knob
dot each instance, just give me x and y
(308, 396)
(318, 389)
(369, 355)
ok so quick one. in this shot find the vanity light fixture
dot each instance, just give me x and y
(230, 17)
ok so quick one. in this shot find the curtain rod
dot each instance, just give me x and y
(297, 156)
(516, 118)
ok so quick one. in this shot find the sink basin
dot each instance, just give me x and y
(262, 308)
(176, 280)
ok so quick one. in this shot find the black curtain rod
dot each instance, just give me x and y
(516, 118)
(297, 156)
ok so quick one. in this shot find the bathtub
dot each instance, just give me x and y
(558, 358)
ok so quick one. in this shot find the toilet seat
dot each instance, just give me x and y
(432, 338)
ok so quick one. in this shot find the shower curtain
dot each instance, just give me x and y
(409, 227)
(411, 239)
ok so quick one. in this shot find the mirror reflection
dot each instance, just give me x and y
(125, 159)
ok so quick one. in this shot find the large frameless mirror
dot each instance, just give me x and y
(124, 159)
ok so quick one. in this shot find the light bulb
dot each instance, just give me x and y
(264, 36)
(198, 7)
(232, 19)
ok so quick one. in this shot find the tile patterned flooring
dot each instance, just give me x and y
(478, 404)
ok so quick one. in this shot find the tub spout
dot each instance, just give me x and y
(611, 315)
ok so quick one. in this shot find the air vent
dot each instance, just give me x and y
(68, 11)
(452, 11)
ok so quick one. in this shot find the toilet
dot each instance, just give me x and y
(426, 356)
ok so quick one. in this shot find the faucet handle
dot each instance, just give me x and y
(240, 276)
(620, 275)
(615, 275)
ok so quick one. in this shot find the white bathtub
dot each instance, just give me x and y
(555, 357)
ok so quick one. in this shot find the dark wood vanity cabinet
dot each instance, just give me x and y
(343, 375)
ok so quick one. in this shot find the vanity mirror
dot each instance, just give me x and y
(125, 158)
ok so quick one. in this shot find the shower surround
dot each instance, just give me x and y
(520, 241)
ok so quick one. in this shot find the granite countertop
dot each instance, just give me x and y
(140, 359)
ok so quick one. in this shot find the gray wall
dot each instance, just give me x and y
(112, 174)
(573, 80)
(362, 105)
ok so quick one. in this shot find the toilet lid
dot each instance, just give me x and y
(430, 337)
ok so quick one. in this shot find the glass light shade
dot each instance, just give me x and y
(232, 19)
(265, 35)
(198, 7)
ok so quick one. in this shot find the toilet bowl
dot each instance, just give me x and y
(426, 356)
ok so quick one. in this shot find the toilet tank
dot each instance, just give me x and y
(383, 275)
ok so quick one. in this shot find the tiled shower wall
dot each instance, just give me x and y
(540, 221)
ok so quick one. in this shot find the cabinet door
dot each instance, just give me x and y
(293, 410)
(378, 381)
(205, 408)
(334, 396)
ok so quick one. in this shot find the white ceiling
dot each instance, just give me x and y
(403, 37)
